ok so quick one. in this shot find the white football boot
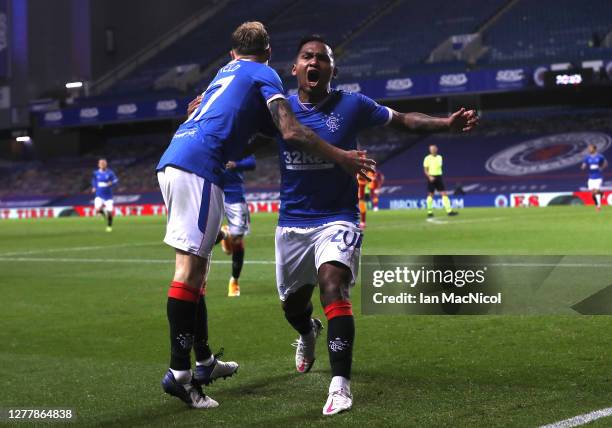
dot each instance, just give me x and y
(339, 398)
(305, 348)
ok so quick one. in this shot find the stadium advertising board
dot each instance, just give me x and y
(417, 85)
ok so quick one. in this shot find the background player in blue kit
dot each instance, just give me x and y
(245, 95)
(595, 163)
(318, 240)
(238, 218)
(102, 183)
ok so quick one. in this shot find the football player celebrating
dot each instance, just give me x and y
(102, 183)
(245, 93)
(318, 240)
(596, 163)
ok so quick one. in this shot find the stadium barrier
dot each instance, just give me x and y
(393, 202)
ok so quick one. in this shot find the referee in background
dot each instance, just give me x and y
(432, 166)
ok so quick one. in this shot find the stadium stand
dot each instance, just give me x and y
(536, 31)
(386, 38)
(401, 38)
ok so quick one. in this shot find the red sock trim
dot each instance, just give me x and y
(238, 247)
(181, 291)
(339, 308)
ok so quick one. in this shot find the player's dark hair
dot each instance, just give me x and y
(312, 38)
(250, 38)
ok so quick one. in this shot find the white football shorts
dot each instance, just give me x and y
(301, 251)
(99, 203)
(195, 211)
(594, 183)
(238, 218)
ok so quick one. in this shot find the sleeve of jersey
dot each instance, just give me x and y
(93, 181)
(114, 179)
(270, 84)
(246, 164)
(426, 162)
(372, 113)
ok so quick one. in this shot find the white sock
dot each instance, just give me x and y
(598, 199)
(206, 362)
(340, 382)
(182, 376)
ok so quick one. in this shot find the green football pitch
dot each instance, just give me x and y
(83, 326)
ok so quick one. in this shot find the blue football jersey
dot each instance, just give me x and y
(313, 190)
(594, 164)
(103, 182)
(233, 108)
(233, 180)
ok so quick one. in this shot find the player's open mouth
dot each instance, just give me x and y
(313, 76)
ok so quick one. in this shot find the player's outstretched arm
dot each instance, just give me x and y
(292, 131)
(461, 121)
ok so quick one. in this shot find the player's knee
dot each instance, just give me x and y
(190, 269)
(334, 282)
(297, 302)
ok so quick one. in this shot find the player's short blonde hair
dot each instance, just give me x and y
(250, 38)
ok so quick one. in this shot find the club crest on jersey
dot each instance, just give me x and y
(333, 122)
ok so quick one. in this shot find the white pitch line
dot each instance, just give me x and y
(145, 261)
(481, 220)
(68, 249)
(581, 419)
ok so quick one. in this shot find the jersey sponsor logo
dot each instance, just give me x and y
(333, 121)
(301, 161)
(53, 116)
(458, 79)
(510, 76)
(166, 105)
(89, 113)
(549, 153)
(127, 109)
(399, 84)
(349, 87)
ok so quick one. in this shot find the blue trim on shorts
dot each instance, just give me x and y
(204, 206)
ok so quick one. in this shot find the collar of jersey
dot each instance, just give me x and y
(314, 106)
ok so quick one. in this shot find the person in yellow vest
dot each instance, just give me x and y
(432, 166)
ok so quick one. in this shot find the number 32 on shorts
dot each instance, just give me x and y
(347, 239)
